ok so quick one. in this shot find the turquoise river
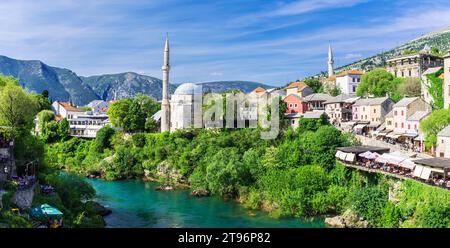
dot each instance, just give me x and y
(137, 204)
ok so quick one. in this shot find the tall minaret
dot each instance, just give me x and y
(330, 61)
(165, 105)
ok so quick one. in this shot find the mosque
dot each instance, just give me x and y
(184, 108)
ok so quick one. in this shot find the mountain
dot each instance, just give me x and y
(439, 40)
(65, 85)
(36, 76)
(244, 86)
(124, 85)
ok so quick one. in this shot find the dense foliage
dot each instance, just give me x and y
(436, 90)
(293, 175)
(18, 109)
(433, 124)
(134, 114)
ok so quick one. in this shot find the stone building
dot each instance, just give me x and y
(413, 65)
(348, 81)
(370, 113)
(443, 143)
(339, 108)
(299, 88)
(406, 108)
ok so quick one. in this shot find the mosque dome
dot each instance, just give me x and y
(188, 89)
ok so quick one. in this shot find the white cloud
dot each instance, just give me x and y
(353, 56)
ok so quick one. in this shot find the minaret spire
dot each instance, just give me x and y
(165, 105)
(330, 61)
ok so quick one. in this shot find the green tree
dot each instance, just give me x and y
(17, 108)
(224, 171)
(433, 124)
(134, 114)
(314, 83)
(410, 87)
(118, 114)
(63, 129)
(103, 140)
(377, 82)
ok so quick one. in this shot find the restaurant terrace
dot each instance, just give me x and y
(431, 171)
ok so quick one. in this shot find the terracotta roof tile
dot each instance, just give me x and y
(67, 106)
(300, 85)
(350, 72)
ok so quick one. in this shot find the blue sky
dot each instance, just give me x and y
(271, 42)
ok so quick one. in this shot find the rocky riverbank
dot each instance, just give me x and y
(348, 219)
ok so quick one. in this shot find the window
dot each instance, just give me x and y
(403, 73)
(403, 125)
(402, 113)
(353, 88)
(290, 105)
(442, 141)
(389, 123)
(374, 111)
(449, 90)
(396, 125)
(395, 113)
(410, 73)
(293, 122)
(415, 126)
(364, 109)
(409, 126)
(295, 105)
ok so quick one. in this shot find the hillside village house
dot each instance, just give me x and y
(259, 91)
(66, 110)
(348, 81)
(443, 143)
(370, 113)
(300, 89)
(81, 124)
(339, 108)
(425, 83)
(99, 106)
(316, 101)
(405, 109)
(413, 65)
(446, 83)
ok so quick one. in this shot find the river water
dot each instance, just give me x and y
(137, 204)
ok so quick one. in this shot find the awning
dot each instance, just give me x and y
(384, 133)
(375, 133)
(372, 156)
(360, 126)
(392, 159)
(338, 153)
(419, 138)
(426, 172)
(409, 135)
(342, 156)
(408, 164)
(350, 157)
(418, 170)
(393, 135)
(437, 170)
(365, 154)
